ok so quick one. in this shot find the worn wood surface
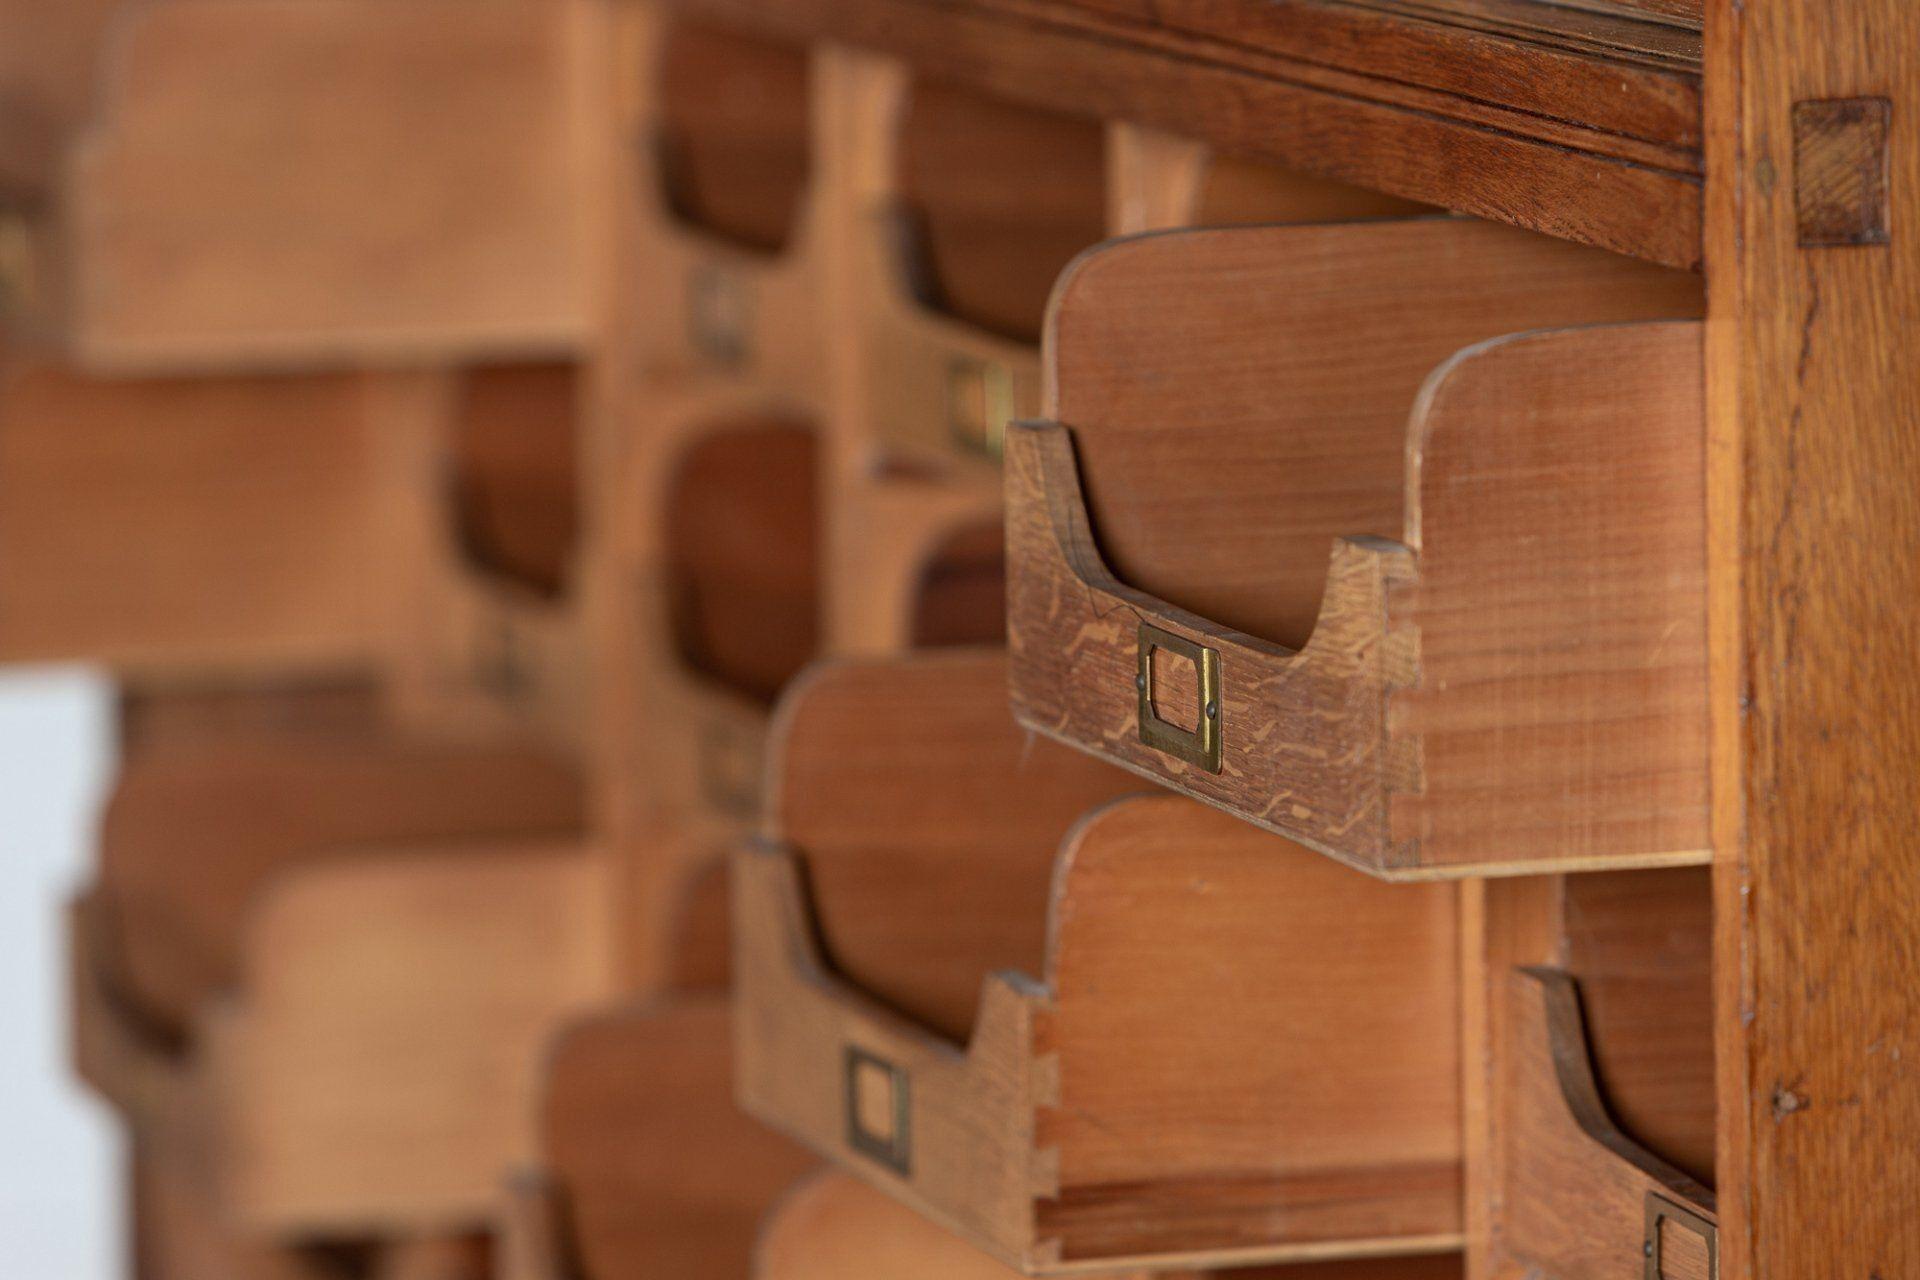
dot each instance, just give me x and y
(1579, 124)
(218, 208)
(1813, 410)
(1411, 654)
(1066, 1133)
(1575, 1202)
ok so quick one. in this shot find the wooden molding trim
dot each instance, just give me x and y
(1583, 125)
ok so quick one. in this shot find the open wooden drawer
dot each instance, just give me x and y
(958, 210)
(649, 1168)
(317, 966)
(712, 597)
(1229, 1049)
(835, 1227)
(717, 594)
(728, 226)
(415, 529)
(1597, 1157)
(1332, 528)
(493, 629)
(313, 181)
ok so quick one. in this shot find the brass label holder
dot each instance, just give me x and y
(1200, 745)
(980, 403)
(1661, 1211)
(720, 315)
(879, 1110)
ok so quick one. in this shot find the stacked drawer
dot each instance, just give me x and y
(825, 648)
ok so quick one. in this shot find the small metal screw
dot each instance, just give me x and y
(1647, 1249)
(1213, 709)
(1140, 683)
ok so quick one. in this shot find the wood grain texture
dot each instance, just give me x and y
(219, 210)
(1380, 656)
(835, 1227)
(1575, 1205)
(891, 783)
(1584, 126)
(1813, 414)
(1590, 1053)
(1067, 1134)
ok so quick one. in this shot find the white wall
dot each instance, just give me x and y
(60, 1174)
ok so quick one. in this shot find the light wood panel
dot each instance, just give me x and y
(164, 527)
(326, 180)
(1413, 654)
(1813, 409)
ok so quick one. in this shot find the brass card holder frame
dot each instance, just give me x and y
(1661, 1210)
(893, 1146)
(980, 403)
(1199, 746)
(720, 314)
